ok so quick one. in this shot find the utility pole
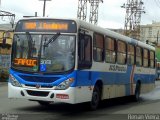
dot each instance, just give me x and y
(44, 6)
(133, 18)
(10, 16)
(94, 11)
(82, 9)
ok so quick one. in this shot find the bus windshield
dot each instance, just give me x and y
(31, 54)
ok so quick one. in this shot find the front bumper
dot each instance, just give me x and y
(41, 94)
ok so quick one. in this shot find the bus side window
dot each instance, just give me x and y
(130, 54)
(98, 47)
(84, 51)
(110, 53)
(138, 56)
(145, 58)
(121, 52)
(151, 59)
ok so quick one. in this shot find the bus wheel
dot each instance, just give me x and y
(95, 98)
(44, 103)
(137, 92)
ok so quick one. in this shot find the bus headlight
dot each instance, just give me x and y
(65, 84)
(14, 82)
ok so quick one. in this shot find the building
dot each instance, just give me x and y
(6, 31)
(120, 31)
(150, 33)
(6, 35)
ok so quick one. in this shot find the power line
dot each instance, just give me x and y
(10, 16)
(157, 3)
(94, 11)
(82, 9)
(134, 10)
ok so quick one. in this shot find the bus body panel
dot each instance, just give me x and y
(117, 80)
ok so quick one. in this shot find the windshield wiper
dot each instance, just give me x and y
(52, 39)
(29, 36)
(31, 44)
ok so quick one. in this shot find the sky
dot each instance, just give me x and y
(111, 15)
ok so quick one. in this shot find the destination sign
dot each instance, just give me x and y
(46, 25)
(25, 62)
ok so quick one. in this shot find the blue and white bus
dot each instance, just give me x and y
(72, 61)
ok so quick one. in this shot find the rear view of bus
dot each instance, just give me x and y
(43, 60)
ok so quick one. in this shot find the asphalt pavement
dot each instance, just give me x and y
(3, 83)
(113, 109)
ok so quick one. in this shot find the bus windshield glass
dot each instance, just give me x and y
(31, 54)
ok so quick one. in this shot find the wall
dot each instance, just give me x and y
(4, 67)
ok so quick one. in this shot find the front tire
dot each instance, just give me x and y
(137, 92)
(95, 98)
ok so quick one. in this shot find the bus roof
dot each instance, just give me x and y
(104, 31)
(113, 34)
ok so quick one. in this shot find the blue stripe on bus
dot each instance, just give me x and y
(85, 78)
(31, 81)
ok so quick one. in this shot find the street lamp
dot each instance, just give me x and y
(44, 6)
